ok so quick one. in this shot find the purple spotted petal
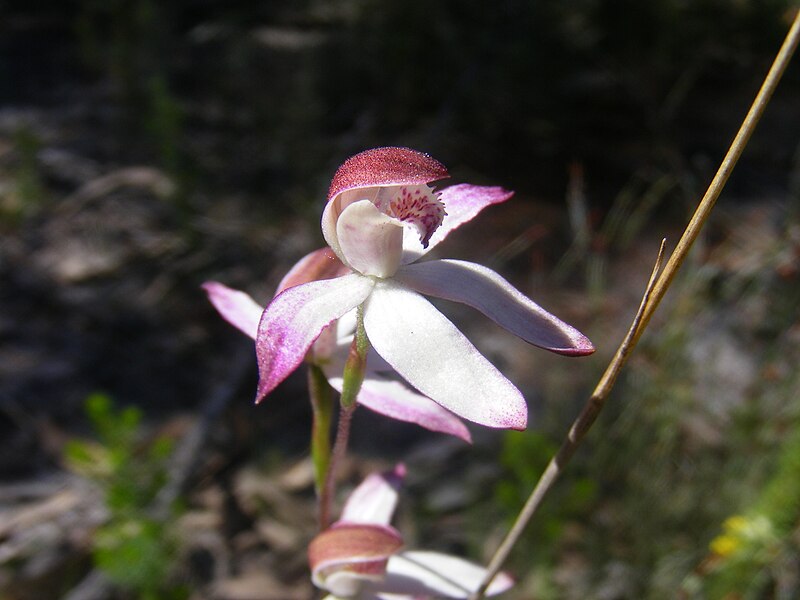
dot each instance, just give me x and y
(236, 307)
(429, 352)
(462, 203)
(295, 318)
(483, 289)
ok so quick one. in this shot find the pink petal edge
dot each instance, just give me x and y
(236, 307)
(485, 290)
(295, 318)
(396, 401)
(462, 202)
(314, 266)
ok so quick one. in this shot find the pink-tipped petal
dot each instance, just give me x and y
(394, 400)
(374, 500)
(295, 318)
(236, 307)
(483, 289)
(429, 352)
(462, 202)
(314, 266)
(433, 574)
(386, 166)
(370, 241)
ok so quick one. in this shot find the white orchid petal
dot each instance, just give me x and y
(429, 352)
(236, 307)
(483, 289)
(295, 318)
(427, 574)
(334, 208)
(374, 500)
(371, 242)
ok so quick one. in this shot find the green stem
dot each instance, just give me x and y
(322, 409)
(353, 377)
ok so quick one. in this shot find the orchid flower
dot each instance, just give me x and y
(381, 217)
(359, 556)
(379, 392)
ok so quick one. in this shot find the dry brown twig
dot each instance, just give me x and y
(656, 289)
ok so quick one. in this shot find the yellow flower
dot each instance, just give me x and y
(735, 524)
(725, 545)
(740, 531)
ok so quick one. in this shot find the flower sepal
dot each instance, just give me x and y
(347, 555)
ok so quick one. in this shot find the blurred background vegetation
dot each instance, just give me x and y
(147, 146)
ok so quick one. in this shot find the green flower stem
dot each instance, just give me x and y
(354, 370)
(322, 409)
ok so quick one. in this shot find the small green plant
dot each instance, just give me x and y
(27, 191)
(757, 551)
(133, 548)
